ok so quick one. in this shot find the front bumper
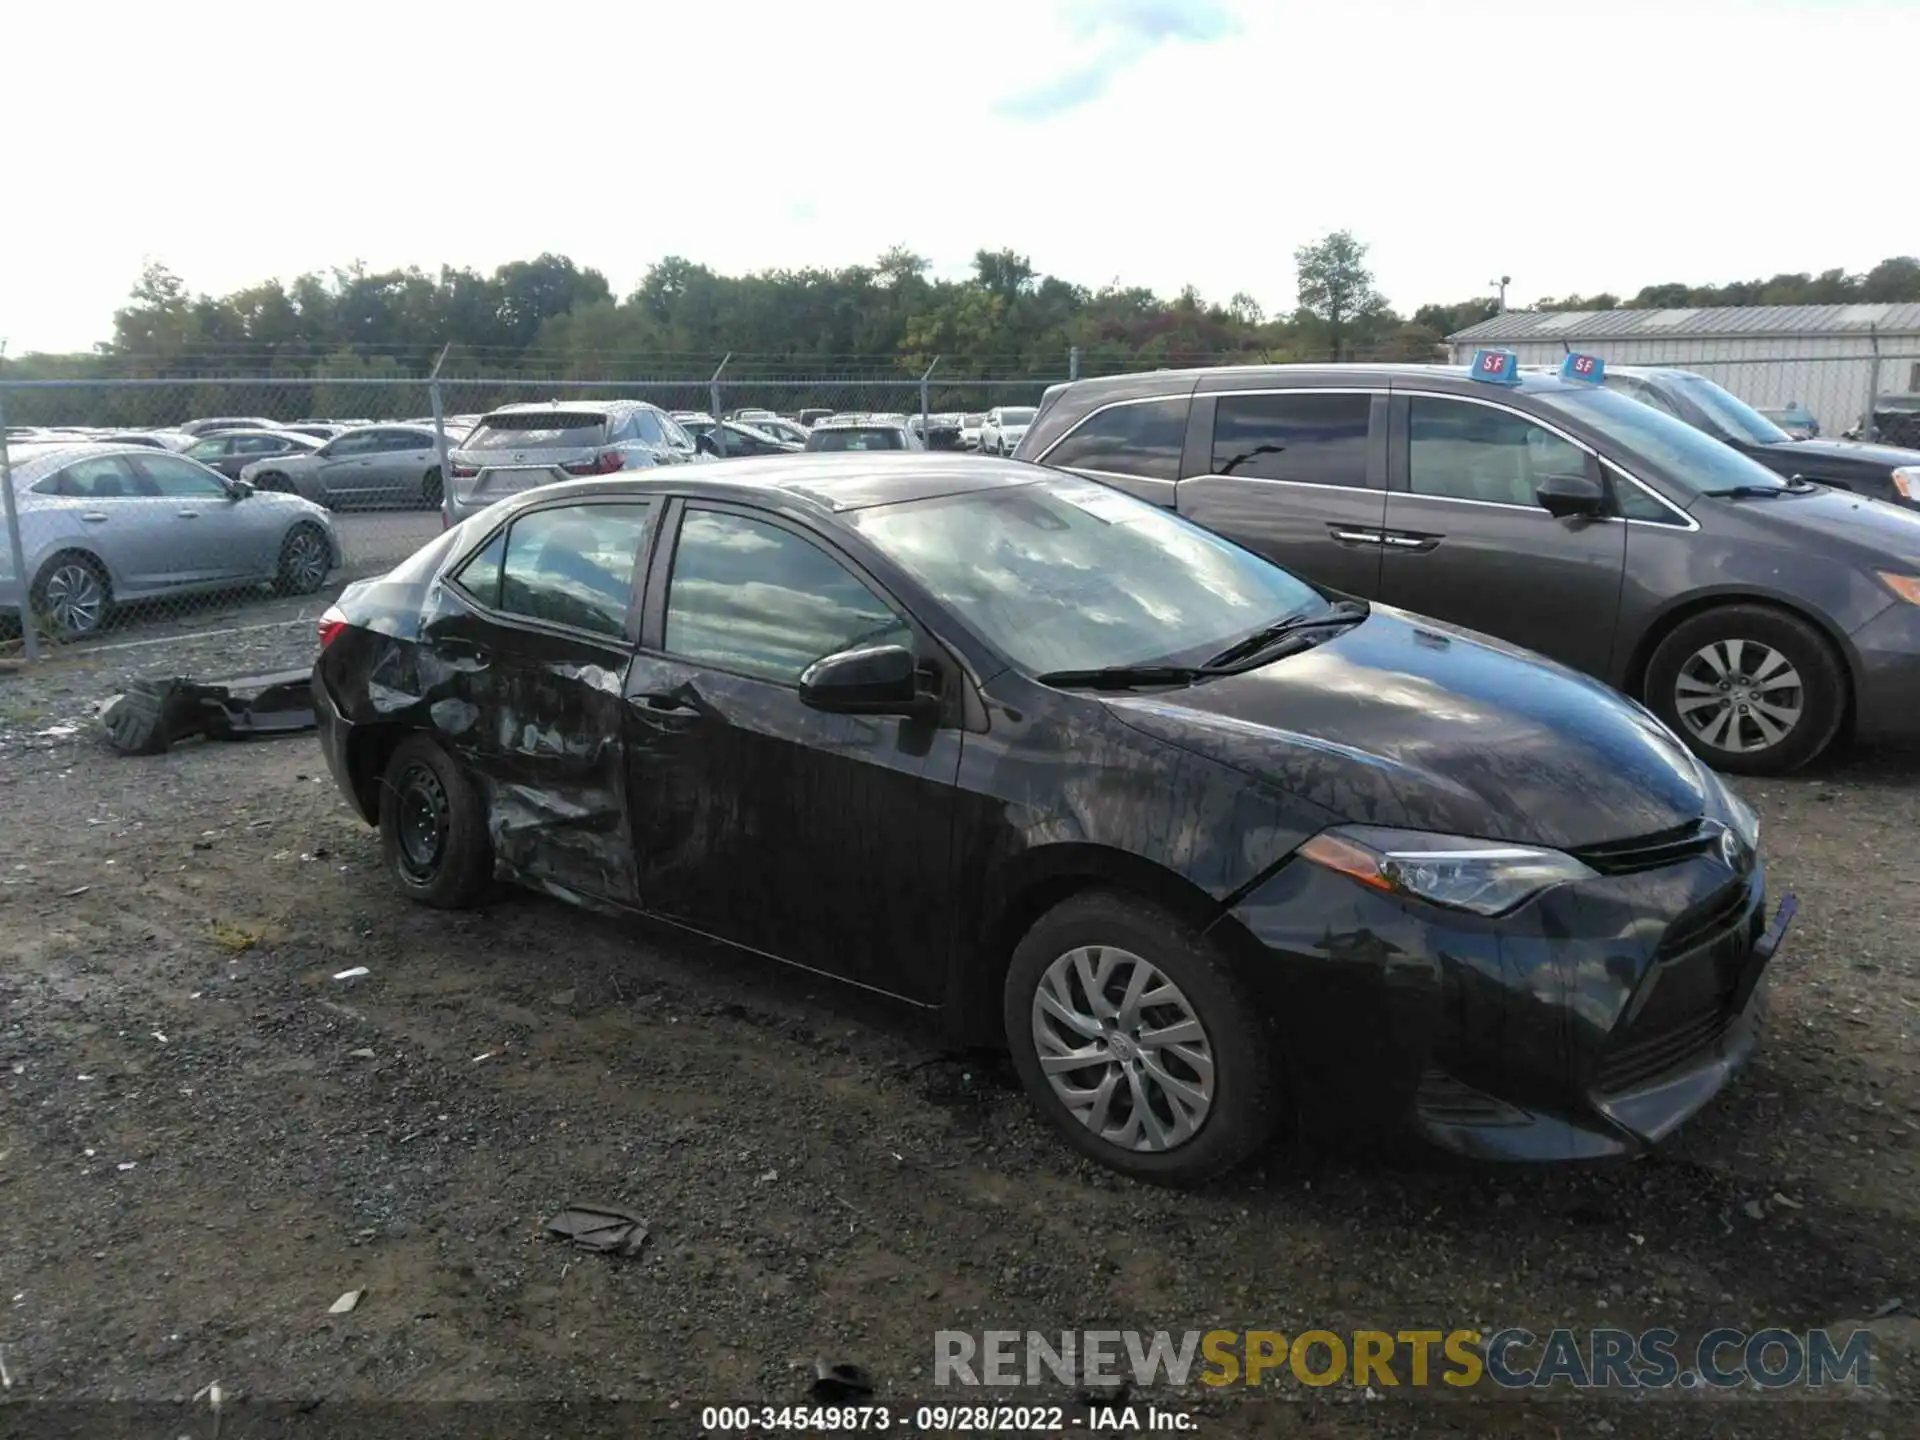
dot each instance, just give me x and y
(1886, 692)
(1592, 1022)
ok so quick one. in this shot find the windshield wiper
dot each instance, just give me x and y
(1760, 492)
(1123, 677)
(1344, 612)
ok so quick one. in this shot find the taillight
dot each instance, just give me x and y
(331, 624)
(605, 464)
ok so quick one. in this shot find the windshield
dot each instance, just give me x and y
(1016, 417)
(1687, 458)
(1730, 412)
(537, 430)
(1064, 574)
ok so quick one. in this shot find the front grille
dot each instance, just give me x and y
(1634, 1064)
(1650, 852)
(1707, 923)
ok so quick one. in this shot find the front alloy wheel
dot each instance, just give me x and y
(1123, 1049)
(1739, 695)
(71, 597)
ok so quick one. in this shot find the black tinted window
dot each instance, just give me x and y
(1475, 452)
(1138, 439)
(752, 597)
(1316, 438)
(574, 565)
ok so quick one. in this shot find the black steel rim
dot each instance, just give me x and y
(422, 822)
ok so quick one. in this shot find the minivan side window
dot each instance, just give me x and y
(1314, 438)
(573, 565)
(1142, 438)
(1462, 451)
(758, 599)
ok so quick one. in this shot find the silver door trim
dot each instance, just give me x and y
(1687, 522)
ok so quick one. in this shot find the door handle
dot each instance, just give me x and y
(1359, 537)
(188, 514)
(95, 517)
(1418, 544)
(668, 702)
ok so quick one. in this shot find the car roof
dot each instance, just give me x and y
(533, 407)
(828, 483)
(41, 456)
(1451, 377)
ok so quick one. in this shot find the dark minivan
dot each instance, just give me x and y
(1759, 617)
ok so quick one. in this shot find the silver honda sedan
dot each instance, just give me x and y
(106, 525)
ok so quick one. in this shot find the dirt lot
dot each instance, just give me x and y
(205, 1138)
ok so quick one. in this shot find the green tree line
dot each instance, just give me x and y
(548, 318)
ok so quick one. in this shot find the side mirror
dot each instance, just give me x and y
(874, 680)
(1567, 496)
(240, 489)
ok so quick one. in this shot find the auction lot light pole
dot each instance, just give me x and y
(16, 551)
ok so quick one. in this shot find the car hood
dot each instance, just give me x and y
(1408, 722)
(1873, 531)
(1848, 452)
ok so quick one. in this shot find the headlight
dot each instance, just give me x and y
(1740, 816)
(1483, 876)
(1907, 481)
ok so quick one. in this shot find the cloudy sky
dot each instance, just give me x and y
(1157, 142)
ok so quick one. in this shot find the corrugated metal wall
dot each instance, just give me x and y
(1831, 375)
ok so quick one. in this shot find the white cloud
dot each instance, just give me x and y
(1573, 147)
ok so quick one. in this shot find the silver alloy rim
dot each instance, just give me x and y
(1739, 695)
(1123, 1049)
(74, 599)
(306, 560)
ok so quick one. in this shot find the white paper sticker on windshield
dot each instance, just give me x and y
(1101, 503)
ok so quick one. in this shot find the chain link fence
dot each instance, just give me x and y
(143, 510)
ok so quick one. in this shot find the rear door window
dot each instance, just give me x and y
(104, 477)
(539, 430)
(573, 565)
(1309, 437)
(1142, 438)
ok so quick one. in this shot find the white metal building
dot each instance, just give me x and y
(1833, 359)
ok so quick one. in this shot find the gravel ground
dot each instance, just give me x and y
(205, 1138)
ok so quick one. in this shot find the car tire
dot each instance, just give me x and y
(432, 492)
(306, 555)
(72, 596)
(1107, 936)
(1715, 663)
(433, 828)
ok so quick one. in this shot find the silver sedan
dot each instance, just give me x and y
(368, 464)
(105, 525)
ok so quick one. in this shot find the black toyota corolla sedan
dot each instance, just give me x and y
(1214, 853)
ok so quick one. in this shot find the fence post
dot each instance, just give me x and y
(713, 395)
(926, 423)
(440, 439)
(1868, 431)
(1073, 362)
(16, 551)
